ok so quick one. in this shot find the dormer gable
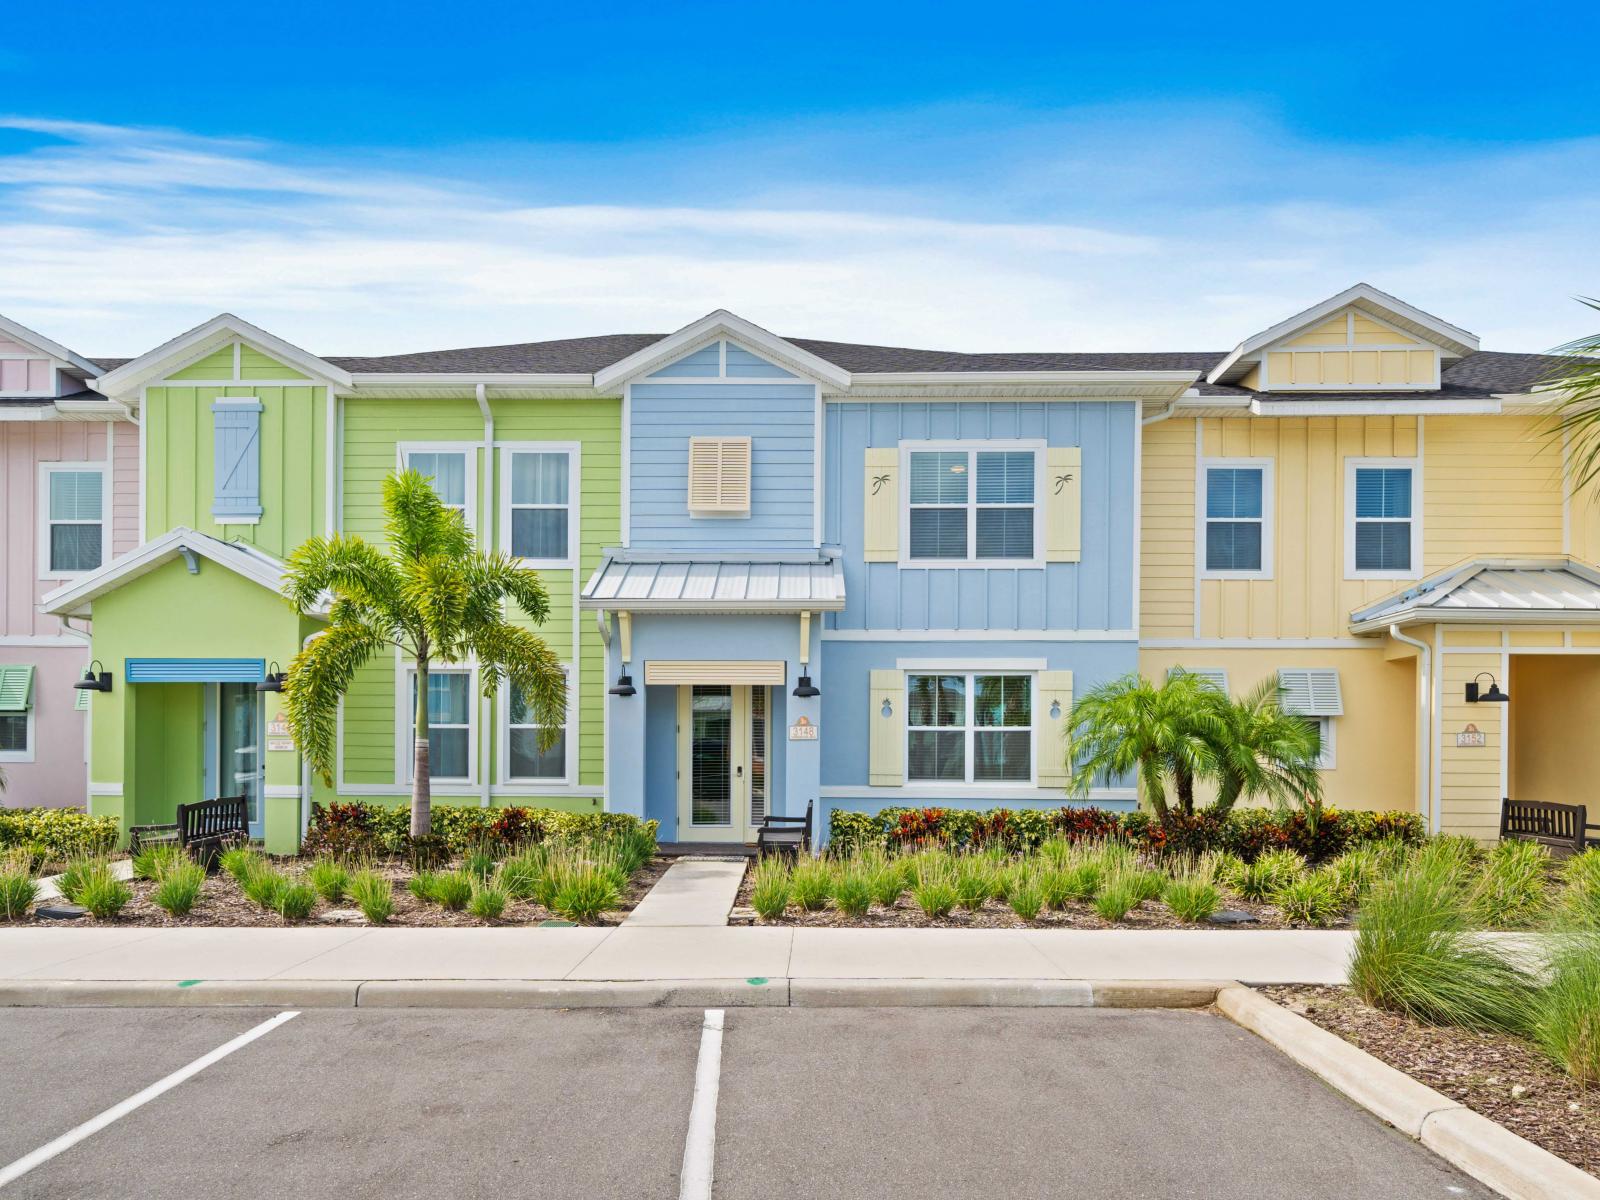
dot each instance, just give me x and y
(32, 365)
(722, 345)
(224, 350)
(1361, 340)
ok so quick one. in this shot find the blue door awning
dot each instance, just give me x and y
(197, 670)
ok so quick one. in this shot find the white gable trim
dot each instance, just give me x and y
(64, 357)
(222, 330)
(707, 330)
(1452, 339)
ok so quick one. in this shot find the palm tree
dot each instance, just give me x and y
(433, 595)
(1263, 751)
(1131, 726)
(1575, 418)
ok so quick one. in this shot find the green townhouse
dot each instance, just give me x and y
(248, 446)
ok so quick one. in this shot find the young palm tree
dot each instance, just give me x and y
(436, 597)
(1575, 418)
(1263, 751)
(1131, 726)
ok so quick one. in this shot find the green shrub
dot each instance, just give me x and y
(57, 835)
(1192, 896)
(769, 887)
(1117, 896)
(18, 887)
(372, 895)
(103, 894)
(1413, 954)
(1566, 1018)
(976, 880)
(1024, 893)
(265, 888)
(330, 877)
(852, 889)
(1511, 890)
(356, 828)
(1269, 874)
(587, 892)
(488, 902)
(811, 883)
(179, 889)
(153, 862)
(242, 863)
(296, 900)
(1310, 899)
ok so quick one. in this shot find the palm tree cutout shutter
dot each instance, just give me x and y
(886, 758)
(719, 476)
(1063, 491)
(236, 460)
(1053, 721)
(881, 515)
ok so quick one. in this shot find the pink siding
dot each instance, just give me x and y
(19, 376)
(57, 776)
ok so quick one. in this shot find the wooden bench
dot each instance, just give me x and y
(784, 835)
(1562, 827)
(204, 829)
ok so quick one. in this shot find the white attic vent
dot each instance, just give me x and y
(719, 476)
(1216, 676)
(1310, 692)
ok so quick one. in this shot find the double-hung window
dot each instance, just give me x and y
(450, 724)
(971, 505)
(1236, 534)
(73, 507)
(450, 470)
(1382, 526)
(537, 505)
(525, 759)
(969, 728)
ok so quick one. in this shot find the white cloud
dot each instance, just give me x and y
(1086, 231)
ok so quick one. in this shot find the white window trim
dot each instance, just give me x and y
(972, 448)
(1329, 758)
(503, 732)
(573, 451)
(26, 754)
(971, 672)
(103, 469)
(405, 722)
(468, 450)
(1268, 524)
(1351, 466)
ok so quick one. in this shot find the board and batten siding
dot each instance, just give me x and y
(1093, 593)
(780, 420)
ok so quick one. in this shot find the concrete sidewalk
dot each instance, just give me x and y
(695, 892)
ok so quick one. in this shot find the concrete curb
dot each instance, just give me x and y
(953, 993)
(537, 993)
(172, 993)
(1490, 1153)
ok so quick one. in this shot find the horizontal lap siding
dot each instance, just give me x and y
(1167, 544)
(1491, 485)
(1095, 593)
(1469, 776)
(780, 420)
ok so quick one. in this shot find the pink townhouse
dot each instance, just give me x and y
(69, 503)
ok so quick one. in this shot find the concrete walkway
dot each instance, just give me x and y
(693, 892)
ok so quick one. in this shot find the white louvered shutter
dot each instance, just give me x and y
(719, 476)
(1310, 692)
(1216, 676)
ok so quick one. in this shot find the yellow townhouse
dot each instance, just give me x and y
(1363, 505)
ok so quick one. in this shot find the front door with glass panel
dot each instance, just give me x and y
(723, 738)
(234, 760)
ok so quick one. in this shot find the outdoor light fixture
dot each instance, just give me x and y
(805, 689)
(274, 680)
(624, 686)
(94, 680)
(1493, 696)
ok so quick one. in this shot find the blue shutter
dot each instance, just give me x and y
(196, 670)
(236, 463)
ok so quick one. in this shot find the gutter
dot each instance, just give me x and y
(486, 734)
(1425, 722)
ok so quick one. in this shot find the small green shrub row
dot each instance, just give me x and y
(57, 834)
(357, 828)
(1247, 833)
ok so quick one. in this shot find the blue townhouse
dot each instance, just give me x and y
(861, 576)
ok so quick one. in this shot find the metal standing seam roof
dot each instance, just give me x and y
(1557, 589)
(715, 584)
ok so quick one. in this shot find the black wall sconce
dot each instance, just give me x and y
(805, 689)
(624, 686)
(1492, 696)
(274, 680)
(95, 679)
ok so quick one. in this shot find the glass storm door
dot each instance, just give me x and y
(238, 751)
(722, 762)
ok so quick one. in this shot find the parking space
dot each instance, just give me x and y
(879, 1103)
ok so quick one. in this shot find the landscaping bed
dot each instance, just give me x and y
(1501, 1076)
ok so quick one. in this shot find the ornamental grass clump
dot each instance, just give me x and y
(372, 895)
(330, 877)
(18, 888)
(1269, 874)
(852, 889)
(1117, 896)
(154, 862)
(1192, 895)
(1580, 893)
(265, 888)
(520, 874)
(478, 863)
(241, 863)
(77, 873)
(1081, 881)
(1353, 872)
(769, 887)
(1414, 954)
(1312, 899)
(811, 883)
(886, 882)
(180, 888)
(1511, 890)
(103, 894)
(488, 902)
(452, 889)
(296, 900)
(587, 891)
(1024, 893)
(1456, 855)
(976, 881)
(1566, 1016)
(934, 886)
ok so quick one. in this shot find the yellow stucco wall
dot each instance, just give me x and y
(1554, 713)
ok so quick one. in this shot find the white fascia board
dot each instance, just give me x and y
(30, 412)
(74, 599)
(21, 333)
(1449, 337)
(721, 323)
(375, 381)
(1399, 406)
(217, 332)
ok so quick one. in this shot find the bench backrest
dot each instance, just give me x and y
(1542, 821)
(213, 818)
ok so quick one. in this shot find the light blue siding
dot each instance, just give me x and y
(704, 363)
(744, 365)
(1095, 593)
(236, 459)
(780, 420)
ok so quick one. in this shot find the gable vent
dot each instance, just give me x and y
(1310, 693)
(719, 476)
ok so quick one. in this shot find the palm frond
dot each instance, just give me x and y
(1575, 417)
(318, 677)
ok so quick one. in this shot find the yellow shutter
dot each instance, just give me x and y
(881, 540)
(1052, 721)
(1063, 491)
(719, 475)
(887, 758)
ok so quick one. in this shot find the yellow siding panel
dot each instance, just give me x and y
(1280, 369)
(1469, 776)
(1585, 638)
(1336, 367)
(1533, 638)
(1370, 333)
(1167, 531)
(1364, 368)
(1333, 332)
(1307, 368)
(1491, 485)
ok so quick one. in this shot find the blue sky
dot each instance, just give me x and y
(366, 178)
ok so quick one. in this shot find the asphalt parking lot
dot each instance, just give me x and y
(873, 1103)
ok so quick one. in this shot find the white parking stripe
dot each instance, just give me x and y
(700, 1147)
(116, 1112)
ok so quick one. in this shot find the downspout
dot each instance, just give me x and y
(486, 735)
(1425, 721)
(1172, 407)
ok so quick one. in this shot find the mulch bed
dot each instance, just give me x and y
(995, 914)
(223, 905)
(1502, 1077)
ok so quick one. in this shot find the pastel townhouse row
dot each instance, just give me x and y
(790, 573)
